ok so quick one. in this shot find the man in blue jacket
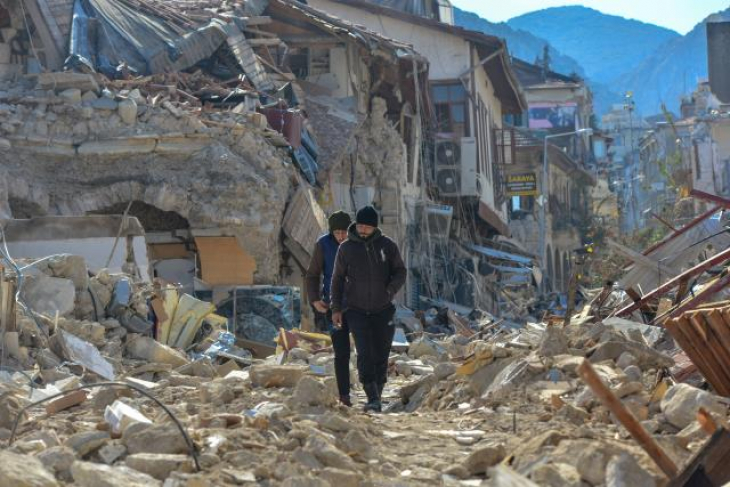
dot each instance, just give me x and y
(319, 279)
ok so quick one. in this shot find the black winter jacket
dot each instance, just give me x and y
(368, 272)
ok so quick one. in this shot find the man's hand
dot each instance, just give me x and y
(337, 319)
(320, 306)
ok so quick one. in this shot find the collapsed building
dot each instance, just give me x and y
(203, 124)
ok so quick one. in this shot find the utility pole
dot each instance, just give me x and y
(629, 105)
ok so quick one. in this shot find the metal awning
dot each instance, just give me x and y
(499, 254)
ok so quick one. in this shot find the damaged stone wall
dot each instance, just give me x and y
(376, 158)
(72, 151)
(11, 33)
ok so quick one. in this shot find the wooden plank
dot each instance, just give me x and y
(224, 262)
(720, 258)
(642, 260)
(632, 425)
(721, 331)
(708, 292)
(699, 354)
(676, 328)
(712, 350)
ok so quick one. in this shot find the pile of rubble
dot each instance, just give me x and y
(93, 395)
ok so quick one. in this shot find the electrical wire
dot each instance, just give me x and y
(191, 446)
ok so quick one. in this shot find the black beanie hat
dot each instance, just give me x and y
(339, 220)
(367, 216)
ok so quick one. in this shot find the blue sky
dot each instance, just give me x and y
(679, 15)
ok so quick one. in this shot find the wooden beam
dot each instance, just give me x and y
(719, 200)
(632, 425)
(641, 259)
(705, 294)
(682, 230)
(720, 258)
(663, 222)
(53, 54)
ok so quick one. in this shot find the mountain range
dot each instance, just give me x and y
(612, 53)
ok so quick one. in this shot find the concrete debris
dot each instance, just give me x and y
(682, 402)
(24, 471)
(87, 474)
(157, 465)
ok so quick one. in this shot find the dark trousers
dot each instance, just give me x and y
(341, 346)
(373, 335)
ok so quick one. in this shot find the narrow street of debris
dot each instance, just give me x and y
(358, 243)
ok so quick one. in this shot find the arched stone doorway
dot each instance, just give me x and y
(170, 249)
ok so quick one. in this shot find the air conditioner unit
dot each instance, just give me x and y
(456, 167)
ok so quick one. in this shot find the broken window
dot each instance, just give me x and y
(521, 206)
(450, 105)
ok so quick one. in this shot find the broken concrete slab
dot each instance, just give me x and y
(24, 471)
(158, 465)
(141, 438)
(87, 474)
(624, 471)
(64, 402)
(112, 452)
(57, 459)
(480, 460)
(682, 401)
(553, 342)
(645, 356)
(276, 375)
(147, 348)
(312, 392)
(48, 295)
(87, 441)
(120, 416)
(79, 351)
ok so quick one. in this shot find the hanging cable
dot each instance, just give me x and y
(191, 446)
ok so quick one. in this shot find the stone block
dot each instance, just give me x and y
(682, 401)
(64, 402)
(86, 442)
(128, 111)
(149, 349)
(117, 147)
(142, 438)
(276, 375)
(71, 95)
(46, 295)
(88, 474)
(24, 471)
(158, 465)
(66, 80)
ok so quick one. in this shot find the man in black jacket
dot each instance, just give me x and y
(368, 273)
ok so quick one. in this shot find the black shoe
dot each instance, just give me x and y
(345, 401)
(373, 404)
